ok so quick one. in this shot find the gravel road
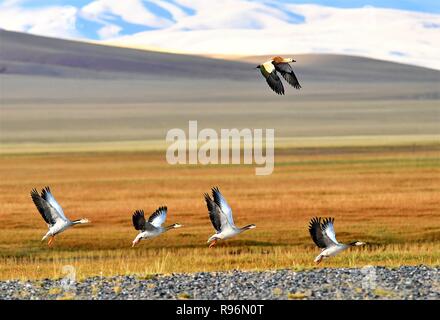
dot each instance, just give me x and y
(419, 282)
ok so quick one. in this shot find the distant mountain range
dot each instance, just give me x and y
(397, 31)
(35, 55)
(62, 91)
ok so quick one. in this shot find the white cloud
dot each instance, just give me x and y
(250, 28)
(109, 31)
(56, 21)
(132, 11)
(7, 3)
(176, 12)
(231, 14)
(243, 27)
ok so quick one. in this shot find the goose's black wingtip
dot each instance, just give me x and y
(215, 189)
(138, 212)
(315, 221)
(328, 219)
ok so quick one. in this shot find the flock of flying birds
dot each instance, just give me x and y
(220, 213)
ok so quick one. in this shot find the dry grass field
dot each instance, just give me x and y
(388, 197)
(359, 141)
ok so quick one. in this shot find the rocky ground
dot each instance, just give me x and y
(419, 282)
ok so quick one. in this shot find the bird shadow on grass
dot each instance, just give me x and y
(224, 244)
(250, 243)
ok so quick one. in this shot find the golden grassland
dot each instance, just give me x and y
(162, 145)
(388, 197)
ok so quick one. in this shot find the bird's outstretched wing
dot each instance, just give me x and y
(275, 83)
(48, 212)
(218, 218)
(321, 239)
(329, 230)
(47, 195)
(158, 217)
(287, 72)
(224, 206)
(272, 79)
(214, 213)
(139, 220)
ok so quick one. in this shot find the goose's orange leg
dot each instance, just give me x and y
(51, 240)
(213, 243)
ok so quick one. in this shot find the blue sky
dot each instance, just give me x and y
(88, 28)
(409, 33)
(432, 6)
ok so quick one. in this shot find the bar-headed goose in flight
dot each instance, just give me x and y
(270, 68)
(323, 234)
(220, 214)
(153, 227)
(53, 214)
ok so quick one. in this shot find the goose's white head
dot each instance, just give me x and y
(81, 221)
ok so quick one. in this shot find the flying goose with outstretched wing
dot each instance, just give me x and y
(324, 236)
(220, 214)
(53, 214)
(153, 227)
(270, 68)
